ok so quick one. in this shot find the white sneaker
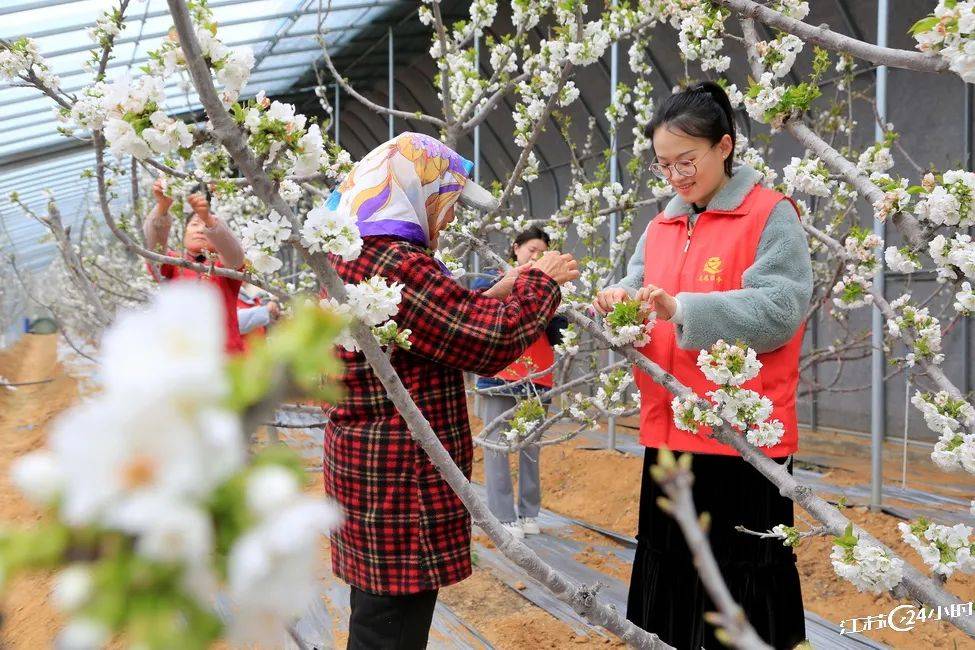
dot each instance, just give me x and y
(529, 525)
(514, 528)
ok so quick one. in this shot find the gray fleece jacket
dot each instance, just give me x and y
(776, 288)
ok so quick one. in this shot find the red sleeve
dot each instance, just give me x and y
(463, 329)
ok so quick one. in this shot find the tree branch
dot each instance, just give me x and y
(578, 596)
(825, 37)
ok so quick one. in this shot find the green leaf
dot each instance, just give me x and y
(924, 25)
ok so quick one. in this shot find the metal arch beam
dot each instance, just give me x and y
(367, 125)
(118, 64)
(373, 46)
(37, 196)
(39, 186)
(23, 157)
(246, 41)
(226, 23)
(344, 115)
(75, 164)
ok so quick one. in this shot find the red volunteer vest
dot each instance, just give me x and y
(537, 357)
(722, 247)
(228, 288)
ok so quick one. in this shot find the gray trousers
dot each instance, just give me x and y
(497, 470)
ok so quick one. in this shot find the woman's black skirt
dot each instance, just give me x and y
(667, 597)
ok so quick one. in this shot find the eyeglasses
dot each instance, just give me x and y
(682, 167)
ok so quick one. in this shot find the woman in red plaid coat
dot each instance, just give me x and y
(406, 533)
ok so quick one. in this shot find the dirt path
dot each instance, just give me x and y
(592, 485)
(29, 621)
(603, 488)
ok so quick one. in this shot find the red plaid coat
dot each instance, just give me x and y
(405, 530)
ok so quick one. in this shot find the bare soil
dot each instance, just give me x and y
(597, 486)
(29, 620)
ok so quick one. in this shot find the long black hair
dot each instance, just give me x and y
(701, 111)
(527, 235)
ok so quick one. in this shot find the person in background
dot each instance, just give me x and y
(254, 314)
(528, 246)
(205, 235)
(726, 259)
(406, 533)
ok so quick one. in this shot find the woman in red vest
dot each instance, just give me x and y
(204, 234)
(726, 259)
(527, 247)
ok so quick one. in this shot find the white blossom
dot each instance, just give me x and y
(944, 549)
(331, 231)
(73, 586)
(868, 567)
(728, 365)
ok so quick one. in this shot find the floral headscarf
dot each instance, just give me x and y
(403, 187)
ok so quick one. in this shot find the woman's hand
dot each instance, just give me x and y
(561, 267)
(201, 208)
(159, 191)
(607, 298)
(503, 287)
(659, 301)
(274, 310)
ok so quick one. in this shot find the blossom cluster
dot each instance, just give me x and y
(921, 325)
(730, 366)
(628, 324)
(945, 549)
(373, 302)
(875, 159)
(529, 414)
(868, 566)
(231, 65)
(949, 417)
(690, 416)
(763, 98)
(902, 259)
(700, 27)
(135, 123)
(948, 200)
(808, 175)
(896, 196)
(21, 60)
(262, 239)
(610, 396)
(950, 32)
(158, 464)
(853, 289)
(727, 364)
(954, 257)
(779, 55)
(752, 157)
(276, 132)
(330, 230)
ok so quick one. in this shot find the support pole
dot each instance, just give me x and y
(476, 259)
(614, 65)
(878, 415)
(966, 326)
(392, 86)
